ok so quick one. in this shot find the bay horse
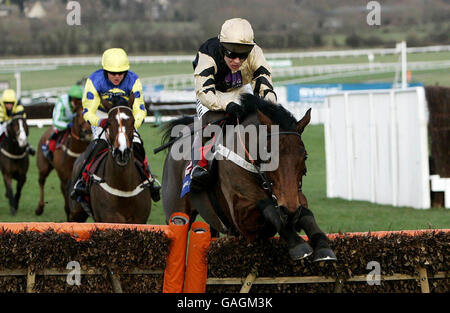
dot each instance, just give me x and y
(244, 199)
(116, 188)
(14, 161)
(70, 147)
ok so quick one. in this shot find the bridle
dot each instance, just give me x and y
(111, 145)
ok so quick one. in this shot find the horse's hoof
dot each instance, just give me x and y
(39, 210)
(13, 211)
(300, 251)
(324, 254)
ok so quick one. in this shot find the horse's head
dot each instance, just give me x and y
(286, 178)
(17, 130)
(81, 129)
(120, 133)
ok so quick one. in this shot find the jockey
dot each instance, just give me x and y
(114, 79)
(9, 105)
(63, 114)
(225, 67)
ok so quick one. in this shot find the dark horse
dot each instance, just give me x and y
(14, 160)
(75, 142)
(117, 190)
(245, 199)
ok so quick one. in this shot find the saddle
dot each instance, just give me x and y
(61, 138)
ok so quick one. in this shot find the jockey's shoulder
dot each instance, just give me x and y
(99, 79)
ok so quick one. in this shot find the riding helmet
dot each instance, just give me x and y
(115, 60)
(9, 95)
(237, 35)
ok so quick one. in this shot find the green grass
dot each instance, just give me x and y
(333, 215)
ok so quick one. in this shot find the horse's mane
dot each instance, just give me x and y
(276, 112)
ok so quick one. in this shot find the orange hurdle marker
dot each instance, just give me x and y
(197, 265)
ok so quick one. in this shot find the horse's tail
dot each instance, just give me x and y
(168, 126)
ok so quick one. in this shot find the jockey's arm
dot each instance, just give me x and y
(205, 85)
(60, 120)
(2, 114)
(139, 110)
(262, 76)
(91, 101)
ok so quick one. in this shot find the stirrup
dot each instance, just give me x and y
(31, 150)
(155, 192)
(198, 169)
(200, 179)
(47, 154)
(79, 189)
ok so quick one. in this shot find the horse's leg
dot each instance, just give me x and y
(64, 188)
(318, 239)
(298, 248)
(20, 182)
(10, 194)
(44, 170)
(77, 214)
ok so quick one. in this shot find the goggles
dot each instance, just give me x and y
(234, 55)
(117, 73)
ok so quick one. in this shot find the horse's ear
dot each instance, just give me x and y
(304, 121)
(264, 119)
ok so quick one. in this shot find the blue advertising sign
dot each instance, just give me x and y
(318, 92)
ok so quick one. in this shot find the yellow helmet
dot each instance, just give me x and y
(9, 95)
(115, 60)
(237, 35)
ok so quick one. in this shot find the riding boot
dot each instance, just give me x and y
(138, 148)
(200, 176)
(49, 147)
(31, 150)
(80, 188)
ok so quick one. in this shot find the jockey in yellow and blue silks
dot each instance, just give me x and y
(113, 80)
(10, 105)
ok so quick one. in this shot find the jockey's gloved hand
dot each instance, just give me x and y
(70, 125)
(103, 123)
(234, 110)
